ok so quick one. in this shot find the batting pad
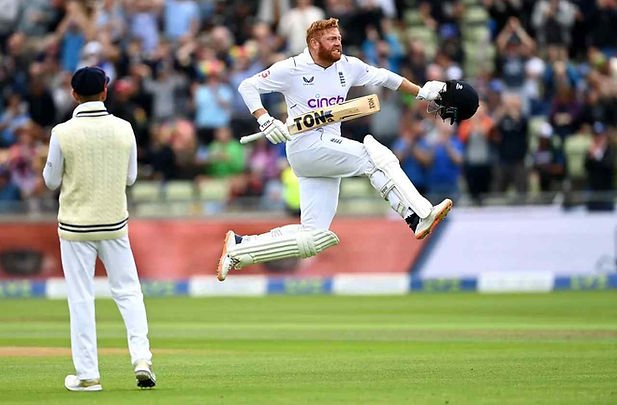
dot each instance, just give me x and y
(396, 179)
(281, 243)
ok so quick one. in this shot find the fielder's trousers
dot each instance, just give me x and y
(78, 263)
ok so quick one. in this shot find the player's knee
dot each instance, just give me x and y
(380, 155)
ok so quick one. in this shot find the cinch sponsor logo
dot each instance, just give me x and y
(325, 101)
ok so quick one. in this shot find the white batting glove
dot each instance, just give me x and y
(274, 130)
(430, 91)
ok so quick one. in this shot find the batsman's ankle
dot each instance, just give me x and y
(413, 220)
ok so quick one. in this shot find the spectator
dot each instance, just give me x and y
(592, 110)
(143, 16)
(225, 155)
(9, 14)
(533, 103)
(261, 175)
(160, 160)
(553, 21)
(74, 31)
(438, 13)
(10, 195)
(575, 150)
(99, 53)
(181, 20)
(293, 25)
(15, 115)
(600, 166)
(476, 136)
(263, 160)
(212, 100)
(17, 59)
(119, 100)
(61, 93)
(512, 145)
(244, 66)
(413, 151)
(602, 23)
(26, 163)
(270, 11)
(416, 60)
(548, 161)
(291, 192)
(451, 47)
(164, 88)
(501, 11)
(110, 17)
(41, 105)
(345, 11)
(559, 71)
(182, 138)
(565, 112)
(38, 17)
(390, 50)
(386, 125)
(514, 47)
(446, 154)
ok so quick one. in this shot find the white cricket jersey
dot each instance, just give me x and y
(308, 86)
(319, 157)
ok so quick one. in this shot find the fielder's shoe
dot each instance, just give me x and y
(144, 375)
(422, 227)
(226, 263)
(73, 383)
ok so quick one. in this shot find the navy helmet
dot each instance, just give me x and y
(457, 102)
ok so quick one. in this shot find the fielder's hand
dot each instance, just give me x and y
(274, 130)
(430, 91)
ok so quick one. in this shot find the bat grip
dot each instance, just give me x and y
(251, 138)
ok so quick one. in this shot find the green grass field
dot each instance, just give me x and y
(454, 348)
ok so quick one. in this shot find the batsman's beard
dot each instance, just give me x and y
(331, 56)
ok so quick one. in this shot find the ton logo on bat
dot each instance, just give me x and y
(313, 118)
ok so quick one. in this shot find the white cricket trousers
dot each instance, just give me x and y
(320, 161)
(78, 263)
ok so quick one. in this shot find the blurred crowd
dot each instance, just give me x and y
(546, 71)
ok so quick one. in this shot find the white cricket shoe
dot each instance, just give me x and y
(226, 263)
(426, 225)
(73, 383)
(144, 375)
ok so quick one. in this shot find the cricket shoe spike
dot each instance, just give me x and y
(73, 383)
(144, 375)
(226, 263)
(422, 227)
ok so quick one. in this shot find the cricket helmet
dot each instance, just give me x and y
(458, 101)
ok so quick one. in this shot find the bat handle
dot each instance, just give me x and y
(251, 138)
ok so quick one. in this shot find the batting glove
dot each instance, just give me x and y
(274, 130)
(430, 91)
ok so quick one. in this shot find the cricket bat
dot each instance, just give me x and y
(348, 110)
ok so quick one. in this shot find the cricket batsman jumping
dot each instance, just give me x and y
(321, 76)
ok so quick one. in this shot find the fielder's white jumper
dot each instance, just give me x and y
(94, 156)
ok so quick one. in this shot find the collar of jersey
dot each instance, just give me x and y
(89, 106)
(308, 59)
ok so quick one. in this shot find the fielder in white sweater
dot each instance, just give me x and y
(93, 157)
